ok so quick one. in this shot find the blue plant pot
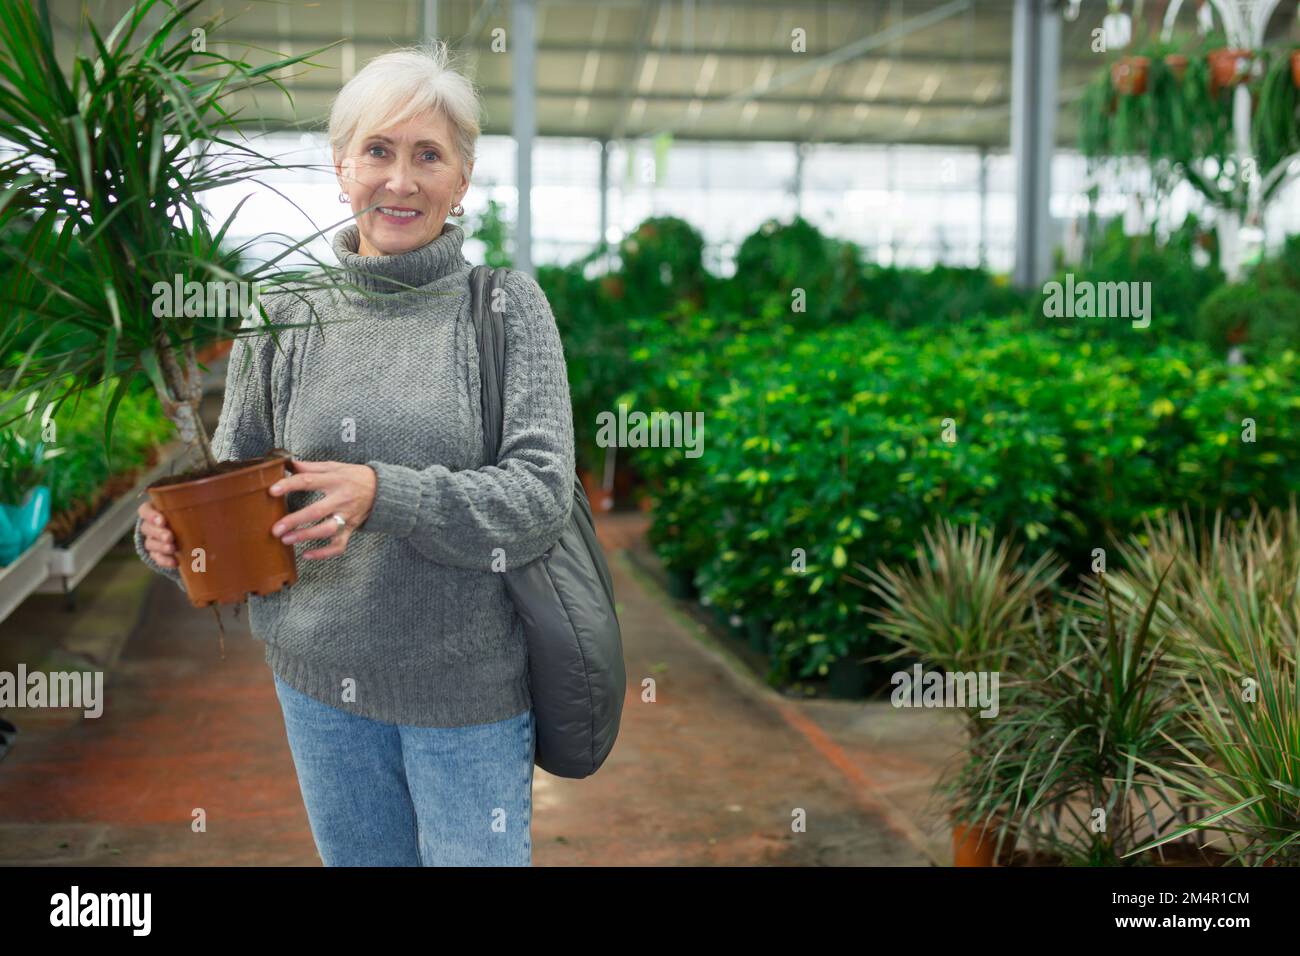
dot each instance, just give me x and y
(29, 519)
(11, 542)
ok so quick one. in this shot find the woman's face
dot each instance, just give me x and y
(405, 169)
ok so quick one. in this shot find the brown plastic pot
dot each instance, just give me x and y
(599, 499)
(1129, 75)
(216, 350)
(229, 515)
(1177, 63)
(1228, 66)
(974, 844)
(1295, 68)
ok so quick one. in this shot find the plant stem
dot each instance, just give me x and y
(185, 390)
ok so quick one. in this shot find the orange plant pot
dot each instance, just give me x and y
(1177, 63)
(229, 516)
(972, 845)
(1295, 68)
(596, 494)
(1228, 67)
(1129, 75)
(215, 351)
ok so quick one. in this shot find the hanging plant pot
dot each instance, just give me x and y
(1228, 67)
(1295, 68)
(1177, 64)
(229, 515)
(1129, 75)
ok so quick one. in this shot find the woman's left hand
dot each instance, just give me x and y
(349, 492)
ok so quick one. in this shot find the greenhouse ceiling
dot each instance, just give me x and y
(899, 71)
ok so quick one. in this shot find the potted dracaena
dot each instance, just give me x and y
(966, 609)
(1091, 710)
(110, 161)
(1230, 618)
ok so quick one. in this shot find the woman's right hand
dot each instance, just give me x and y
(158, 538)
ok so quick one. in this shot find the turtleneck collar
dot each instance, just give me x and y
(432, 261)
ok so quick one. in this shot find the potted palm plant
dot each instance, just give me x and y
(112, 159)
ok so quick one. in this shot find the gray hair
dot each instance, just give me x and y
(396, 86)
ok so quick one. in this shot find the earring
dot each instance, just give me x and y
(458, 210)
(343, 197)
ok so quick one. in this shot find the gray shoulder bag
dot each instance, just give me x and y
(565, 597)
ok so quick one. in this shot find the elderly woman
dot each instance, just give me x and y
(398, 658)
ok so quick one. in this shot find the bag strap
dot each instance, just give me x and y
(490, 334)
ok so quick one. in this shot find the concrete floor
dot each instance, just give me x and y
(713, 772)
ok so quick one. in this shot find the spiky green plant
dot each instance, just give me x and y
(1248, 786)
(967, 605)
(108, 163)
(1231, 583)
(1067, 761)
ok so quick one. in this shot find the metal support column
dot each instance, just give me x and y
(603, 236)
(523, 47)
(796, 185)
(1035, 72)
(984, 207)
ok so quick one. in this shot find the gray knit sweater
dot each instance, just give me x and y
(412, 614)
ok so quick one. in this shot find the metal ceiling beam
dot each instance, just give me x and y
(649, 15)
(845, 53)
(573, 93)
(486, 10)
(812, 6)
(996, 142)
(822, 116)
(779, 52)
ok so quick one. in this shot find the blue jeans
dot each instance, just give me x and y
(380, 794)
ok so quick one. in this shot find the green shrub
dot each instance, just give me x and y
(776, 260)
(83, 464)
(835, 443)
(1261, 320)
(1177, 285)
(662, 264)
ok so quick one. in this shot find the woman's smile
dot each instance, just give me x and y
(400, 216)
